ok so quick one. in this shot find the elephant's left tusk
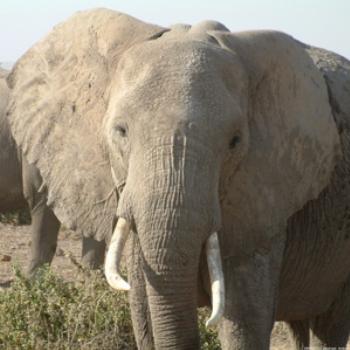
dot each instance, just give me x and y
(216, 279)
(114, 255)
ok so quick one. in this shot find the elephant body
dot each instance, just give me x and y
(209, 136)
(21, 186)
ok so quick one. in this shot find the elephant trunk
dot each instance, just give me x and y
(170, 265)
(175, 208)
(171, 283)
(173, 309)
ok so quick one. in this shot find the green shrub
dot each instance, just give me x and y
(49, 313)
(20, 217)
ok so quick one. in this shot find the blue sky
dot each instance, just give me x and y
(324, 23)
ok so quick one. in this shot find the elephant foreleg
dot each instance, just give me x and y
(251, 296)
(45, 227)
(93, 253)
(332, 328)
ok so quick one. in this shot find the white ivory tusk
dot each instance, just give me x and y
(114, 256)
(216, 279)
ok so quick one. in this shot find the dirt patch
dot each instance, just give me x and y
(15, 247)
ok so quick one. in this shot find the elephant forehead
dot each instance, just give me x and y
(176, 74)
(185, 61)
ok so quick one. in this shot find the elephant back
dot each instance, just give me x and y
(336, 72)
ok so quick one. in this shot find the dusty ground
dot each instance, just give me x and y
(14, 249)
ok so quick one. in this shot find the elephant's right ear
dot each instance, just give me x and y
(59, 99)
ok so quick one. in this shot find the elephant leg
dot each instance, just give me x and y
(301, 333)
(140, 313)
(332, 328)
(251, 293)
(45, 225)
(93, 253)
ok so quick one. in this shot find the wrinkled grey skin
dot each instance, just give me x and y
(21, 185)
(206, 131)
(321, 232)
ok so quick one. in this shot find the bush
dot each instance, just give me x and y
(20, 217)
(49, 313)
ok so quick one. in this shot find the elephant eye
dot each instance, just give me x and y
(234, 141)
(121, 130)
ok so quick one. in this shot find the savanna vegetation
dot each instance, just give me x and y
(50, 313)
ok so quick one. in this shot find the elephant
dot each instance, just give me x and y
(229, 153)
(21, 186)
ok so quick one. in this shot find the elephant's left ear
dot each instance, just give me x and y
(294, 141)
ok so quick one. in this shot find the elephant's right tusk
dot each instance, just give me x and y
(216, 279)
(114, 255)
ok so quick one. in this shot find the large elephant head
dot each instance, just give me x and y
(204, 130)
